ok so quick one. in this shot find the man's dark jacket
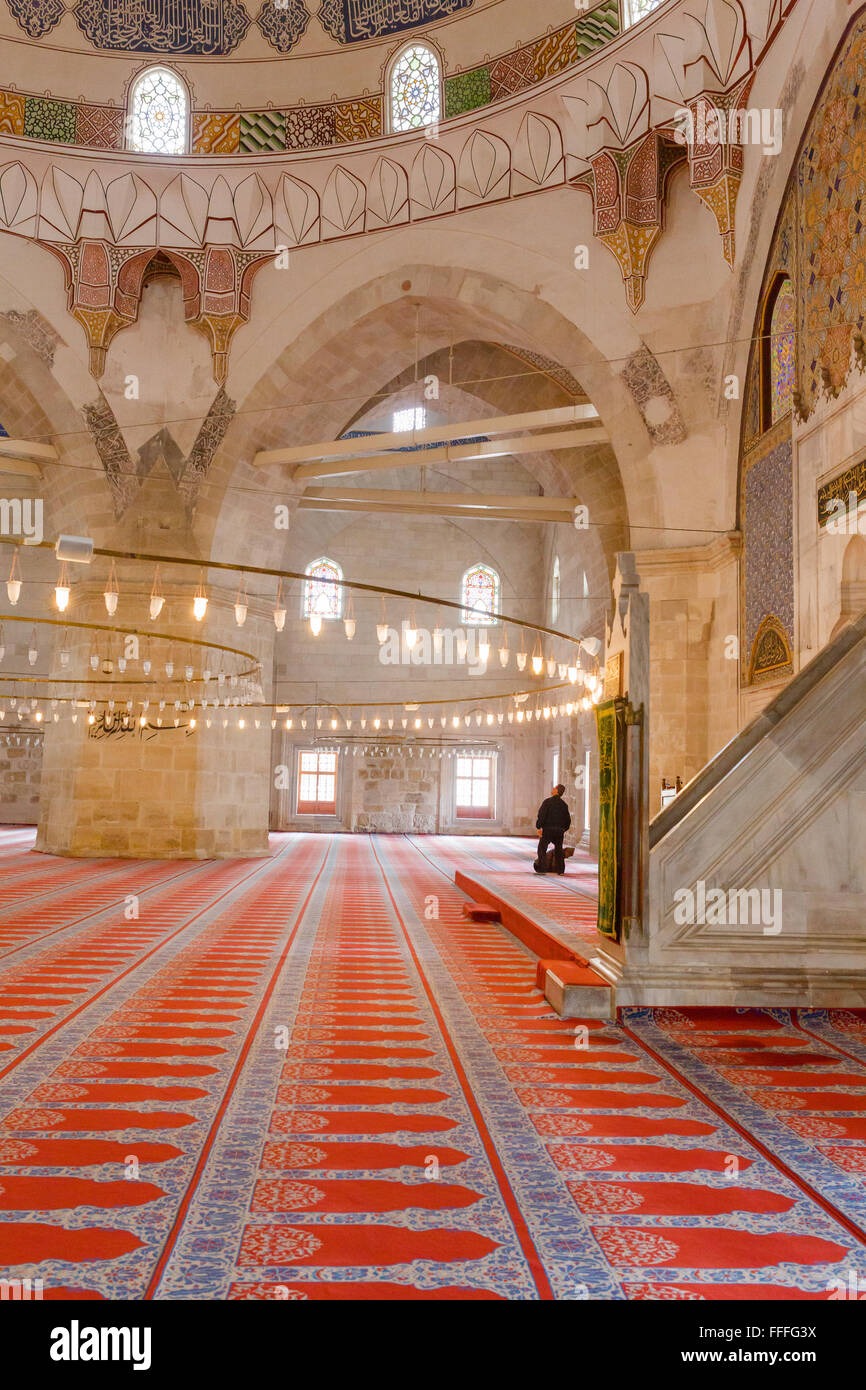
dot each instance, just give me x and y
(553, 814)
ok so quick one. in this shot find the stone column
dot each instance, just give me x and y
(174, 793)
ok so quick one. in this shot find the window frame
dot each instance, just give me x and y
(421, 41)
(470, 812)
(134, 85)
(310, 579)
(330, 807)
(470, 617)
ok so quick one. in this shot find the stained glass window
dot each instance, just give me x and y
(636, 10)
(479, 595)
(158, 113)
(320, 595)
(555, 590)
(782, 352)
(415, 86)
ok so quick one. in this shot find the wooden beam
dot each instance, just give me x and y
(457, 453)
(483, 506)
(433, 434)
(25, 451)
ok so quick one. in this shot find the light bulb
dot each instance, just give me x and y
(91, 718)
(382, 633)
(547, 711)
(377, 723)
(537, 663)
(455, 722)
(61, 597)
(503, 656)
(350, 625)
(121, 664)
(156, 605)
(521, 661)
(572, 674)
(146, 665)
(240, 614)
(188, 673)
(192, 723)
(484, 650)
(199, 607)
(490, 719)
(94, 662)
(169, 669)
(315, 623)
(13, 589)
(551, 667)
(3, 652)
(562, 670)
(411, 637)
(279, 619)
(241, 723)
(206, 674)
(110, 597)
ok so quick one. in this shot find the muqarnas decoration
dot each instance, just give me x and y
(213, 27)
(352, 21)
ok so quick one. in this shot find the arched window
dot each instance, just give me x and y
(779, 357)
(158, 113)
(555, 590)
(479, 595)
(414, 88)
(323, 593)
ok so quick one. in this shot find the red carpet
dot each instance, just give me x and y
(288, 1080)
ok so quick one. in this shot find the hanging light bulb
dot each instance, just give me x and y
(438, 637)
(563, 668)
(111, 594)
(521, 655)
(377, 723)
(455, 722)
(199, 603)
(33, 654)
(188, 673)
(572, 674)
(61, 591)
(382, 627)
(279, 610)
(551, 666)
(146, 665)
(241, 603)
(169, 669)
(349, 621)
(504, 653)
(156, 597)
(537, 659)
(484, 649)
(315, 623)
(13, 583)
(490, 719)
(411, 631)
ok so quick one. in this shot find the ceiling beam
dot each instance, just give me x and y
(457, 453)
(433, 434)
(23, 456)
(481, 506)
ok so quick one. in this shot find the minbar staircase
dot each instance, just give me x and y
(781, 810)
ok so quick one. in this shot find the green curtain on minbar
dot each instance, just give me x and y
(610, 721)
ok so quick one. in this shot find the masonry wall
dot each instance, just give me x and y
(20, 774)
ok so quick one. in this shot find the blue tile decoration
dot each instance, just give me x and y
(768, 537)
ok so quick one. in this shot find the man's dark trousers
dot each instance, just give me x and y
(551, 837)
